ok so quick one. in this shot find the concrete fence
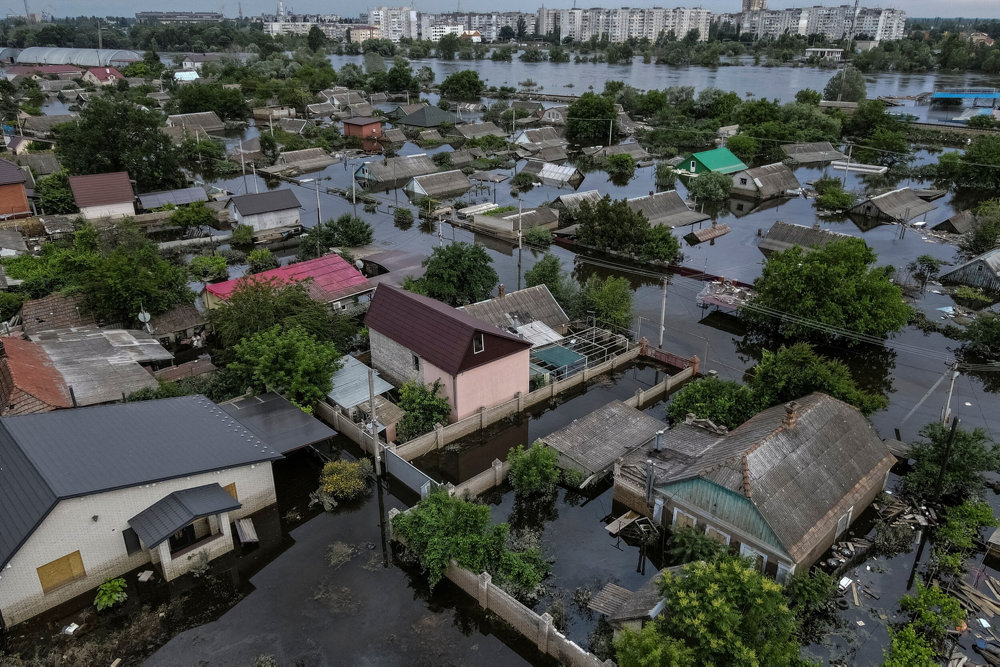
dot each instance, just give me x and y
(483, 482)
(344, 426)
(644, 396)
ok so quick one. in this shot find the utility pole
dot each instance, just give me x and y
(371, 404)
(319, 215)
(850, 39)
(663, 311)
(944, 460)
(946, 410)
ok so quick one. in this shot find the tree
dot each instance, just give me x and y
(836, 286)
(464, 85)
(743, 147)
(347, 231)
(982, 337)
(424, 408)
(315, 39)
(908, 649)
(548, 271)
(591, 119)
(260, 260)
(925, 268)
(977, 166)
(533, 470)
(725, 403)
(506, 34)
(711, 617)
(227, 103)
(985, 235)
(522, 27)
(458, 274)
(847, 85)
(291, 361)
(807, 96)
(614, 225)
(831, 194)
(194, 216)
(620, 167)
(797, 371)
(55, 195)
(113, 134)
(610, 299)
(972, 454)
(711, 187)
(932, 612)
(447, 46)
(649, 648)
(209, 268)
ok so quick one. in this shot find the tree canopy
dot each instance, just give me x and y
(463, 85)
(227, 103)
(458, 274)
(972, 454)
(847, 85)
(591, 119)
(724, 402)
(347, 231)
(616, 226)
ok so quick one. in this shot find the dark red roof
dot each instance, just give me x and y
(101, 189)
(332, 278)
(105, 73)
(436, 332)
(33, 372)
(42, 69)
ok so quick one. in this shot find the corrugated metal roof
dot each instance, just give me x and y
(166, 516)
(720, 160)
(265, 202)
(428, 116)
(553, 174)
(519, 308)
(278, 422)
(899, 205)
(152, 200)
(350, 383)
(439, 184)
(819, 151)
(46, 55)
(783, 235)
(102, 189)
(437, 332)
(667, 209)
(573, 200)
(79, 452)
(396, 170)
(429, 135)
(771, 180)
(394, 135)
(208, 121)
(330, 277)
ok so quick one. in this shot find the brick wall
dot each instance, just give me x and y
(71, 526)
(392, 360)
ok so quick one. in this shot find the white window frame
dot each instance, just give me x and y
(746, 550)
(848, 515)
(720, 532)
(784, 572)
(478, 341)
(694, 165)
(677, 510)
(415, 362)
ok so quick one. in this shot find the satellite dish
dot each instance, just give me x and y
(144, 317)
(358, 263)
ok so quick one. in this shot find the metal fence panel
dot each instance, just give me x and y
(409, 475)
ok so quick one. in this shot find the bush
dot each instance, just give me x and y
(195, 216)
(666, 177)
(712, 187)
(533, 470)
(831, 195)
(261, 260)
(538, 236)
(620, 166)
(523, 181)
(242, 235)
(403, 217)
(234, 256)
(726, 403)
(209, 268)
(341, 481)
(111, 593)
(10, 304)
(424, 408)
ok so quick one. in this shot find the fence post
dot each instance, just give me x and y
(482, 417)
(520, 402)
(484, 590)
(552, 388)
(639, 396)
(390, 516)
(694, 365)
(439, 436)
(497, 472)
(586, 370)
(544, 627)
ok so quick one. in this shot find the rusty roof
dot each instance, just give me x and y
(330, 278)
(33, 372)
(54, 311)
(102, 189)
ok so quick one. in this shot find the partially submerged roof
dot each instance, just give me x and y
(394, 135)
(48, 457)
(899, 205)
(532, 304)
(307, 158)
(595, 441)
(634, 150)
(330, 277)
(476, 130)
(818, 151)
(362, 121)
(350, 383)
(572, 200)
(396, 169)
(720, 161)
(962, 222)
(151, 200)
(428, 116)
(553, 174)
(990, 259)
(265, 202)
(439, 184)
(158, 522)
(666, 208)
(783, 235)
(542, 136)
(102, 189)
(435, 331)
(772, 180)
(207, 121)
(278, 422)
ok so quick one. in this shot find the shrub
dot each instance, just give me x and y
(831, 194)
(533, 470)
(932, 612)
(538, 236)
(242, 235)
(523, 181)
(234, 256)
(403, 217)
(111, 593)
(712, 187)
(10, 304)
(666, 177)
(423, 407)
(621, 166)
(261, 260)
(208, 268)
(340, 481)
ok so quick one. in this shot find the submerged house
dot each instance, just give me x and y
(277, 209)
(900, 205)
(767, 182)
(808, 153)
(478, 130)
(389, 173)
(982, 272)
(93, 493)
(783, 235)
(667, 209)
(962, 222)
(438, 185)
(554, 175)
(415, 338)
(780, 488)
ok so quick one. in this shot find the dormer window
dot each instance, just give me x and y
(478, 344)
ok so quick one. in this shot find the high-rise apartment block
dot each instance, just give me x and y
(832, 22)
(754, 5)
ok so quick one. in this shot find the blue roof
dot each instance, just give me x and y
(966, 96)
(350, 384)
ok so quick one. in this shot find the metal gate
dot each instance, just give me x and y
(408, 474)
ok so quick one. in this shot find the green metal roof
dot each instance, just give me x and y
(720, 160)
(558, 356)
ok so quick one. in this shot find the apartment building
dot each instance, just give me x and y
(395, 23)
(832, 22)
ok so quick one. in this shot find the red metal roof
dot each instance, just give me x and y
(102, 189)
(41, 69)
(33, 372)
(332, 278)
(437, 332)
(105, 73)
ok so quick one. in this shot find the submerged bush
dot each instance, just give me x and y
(340, 481)
(533, 470)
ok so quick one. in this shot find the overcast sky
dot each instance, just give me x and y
(974, 8)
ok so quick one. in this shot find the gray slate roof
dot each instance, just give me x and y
(960, 223)
(820, 151)
(350, 384)
(439, 184)
(265, 202)
(667, 209)
(42, 164)
(166, 516)
(398, 169)
(48, 457)
(521, 307)
(476, 130)
(276, 421)
(899, 205)
(772, 180)
(207, 121)
(573, 200)
(152, 200)
(12, 240)
(428, 116)
(783, 235)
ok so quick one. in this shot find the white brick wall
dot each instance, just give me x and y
(70, 527)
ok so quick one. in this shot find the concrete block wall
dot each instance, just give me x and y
(93, 525)
(392, 360)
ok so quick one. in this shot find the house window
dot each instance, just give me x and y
(844, 523)
(784, 571)
(758, 558)
(61, 571)
(478, 344)
(231, 490)
(743, 181)
(416, 363)
(132, 544)
(717, 535)
(683, 519)
(693, 164)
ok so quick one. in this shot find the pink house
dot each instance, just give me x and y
(103, 76)
(416, 338)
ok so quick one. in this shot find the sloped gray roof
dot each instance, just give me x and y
(476, 130)
(521, 307)
(265, 202)
(278, 422)
(573, 200)
(439, 184)
(173, 512)
(394, 134)
(321, 109)
(819, 151)
(900, 205)
(42, 164)
(152, 200)
(772, 180)
(46, 55)
(635, 150)
(991, 258)
(294, 125)
(42, 125)
(783, 235)
(428, 116)
(667, 209)
(960, 223)
(208, 121)
(48, 457)
(350, 383)
(399, 169)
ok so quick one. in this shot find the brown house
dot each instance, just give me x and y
(13, 198)
(29, 381)
(364, 127)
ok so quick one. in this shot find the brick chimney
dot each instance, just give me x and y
(791, 417)
(501, 292)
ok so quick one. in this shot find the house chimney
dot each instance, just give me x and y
(790, 415)
(659, 441)
(501, 292)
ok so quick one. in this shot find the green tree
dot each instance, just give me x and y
(832, 196)
(649, 648)
(925, 268)
(591, 119)
(533, 470)
(957, 536)
(458, 274)
(193, 217)
(113, 134)
(847, 85)
(932, 612)
(347, 231)
(972, 454)
(548, 271)
(610, 299)
(982, 337)
(985, 235)
(977, 167)
(506, 34)
(463, 85)
(447, 46)
(315, 39)
(810, 594)
(209, 268)
(725, 403)
(614, 225)
(227, 103)
(55, 195)
(743, 147)
(290, 361)
(909, 649)
(836, 287)
(620, 167)
(711, 187)
(260, 260)
(522, 27)
(807, 96)
(424, 408)
(797, 371)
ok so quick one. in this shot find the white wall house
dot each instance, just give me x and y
(100, 196)
(92, 493)
(267, 210)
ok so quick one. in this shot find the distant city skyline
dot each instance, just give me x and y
(914, 8)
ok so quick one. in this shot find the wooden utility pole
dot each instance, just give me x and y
(374, 430)
(944, 459)
(663, 311)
